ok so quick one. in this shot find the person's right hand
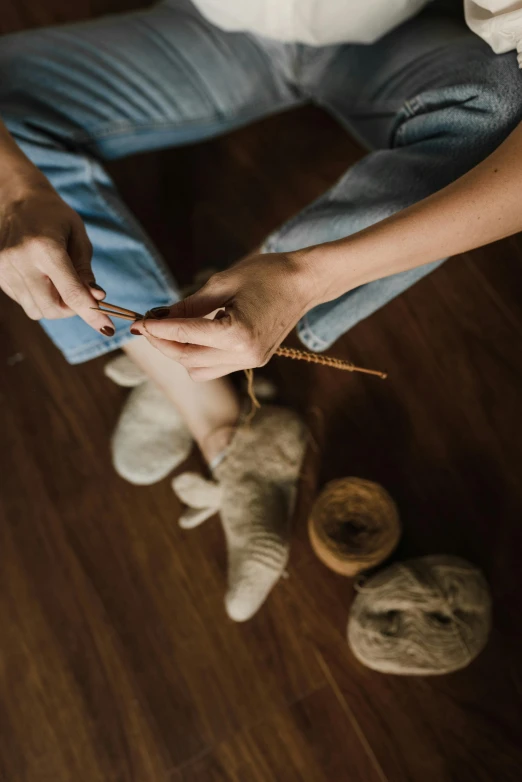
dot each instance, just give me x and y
(45, 257)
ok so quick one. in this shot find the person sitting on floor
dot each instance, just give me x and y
(438, 106)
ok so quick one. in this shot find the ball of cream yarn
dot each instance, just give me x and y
(430, 615)
(354, 525)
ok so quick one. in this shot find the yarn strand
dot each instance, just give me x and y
(311, 358)
(255, 404)
(327, 361)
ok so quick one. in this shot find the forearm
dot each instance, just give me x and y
(16, 170)
(482, 206)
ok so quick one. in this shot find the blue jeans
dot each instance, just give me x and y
(429, 101)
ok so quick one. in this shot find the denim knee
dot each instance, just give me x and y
(499, 97)
(473, 113)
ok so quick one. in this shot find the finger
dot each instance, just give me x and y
(80, 252)
(218, 333)
(33, 284)
(79, 248)
(47, 298)
(169, 349)
(191, 356)
(7, 290)
(199, 374)
(199, 304)
(97, 291)
(19, 291)
(194, 355)
(75, 295)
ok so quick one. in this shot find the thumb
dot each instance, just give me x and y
(200, 304)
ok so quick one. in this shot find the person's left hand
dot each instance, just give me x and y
(259, 301)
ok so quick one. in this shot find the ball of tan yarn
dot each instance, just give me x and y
(354, 525)
(426, 616)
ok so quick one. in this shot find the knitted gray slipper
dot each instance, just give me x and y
(254, 490)
(150, 439)
(124, 372)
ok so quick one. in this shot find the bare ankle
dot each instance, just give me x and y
(216, 442)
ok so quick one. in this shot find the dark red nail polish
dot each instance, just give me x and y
(107, 331)
(135, 332)
(160, 312)
(96, 287)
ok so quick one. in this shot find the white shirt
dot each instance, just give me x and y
(324, 22)
(499, 22)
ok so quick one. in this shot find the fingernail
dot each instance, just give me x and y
(135, 332)
(160, 312)
(96, 287)
(107, 331)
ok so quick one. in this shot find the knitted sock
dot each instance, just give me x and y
(150, 439)
(254, 491)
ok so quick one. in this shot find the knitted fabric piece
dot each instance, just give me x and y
(150, 439)
(254, 491)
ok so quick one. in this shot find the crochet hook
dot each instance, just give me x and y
(329, 361)
(118, 312)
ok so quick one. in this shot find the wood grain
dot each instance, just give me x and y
(300, 742)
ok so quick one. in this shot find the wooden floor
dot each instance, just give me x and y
(117, 662)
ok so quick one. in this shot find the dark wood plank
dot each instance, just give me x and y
(441, 434)
(70, 708)
(312, 740)
(498, 268)
(199, 675)
(463, 726)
